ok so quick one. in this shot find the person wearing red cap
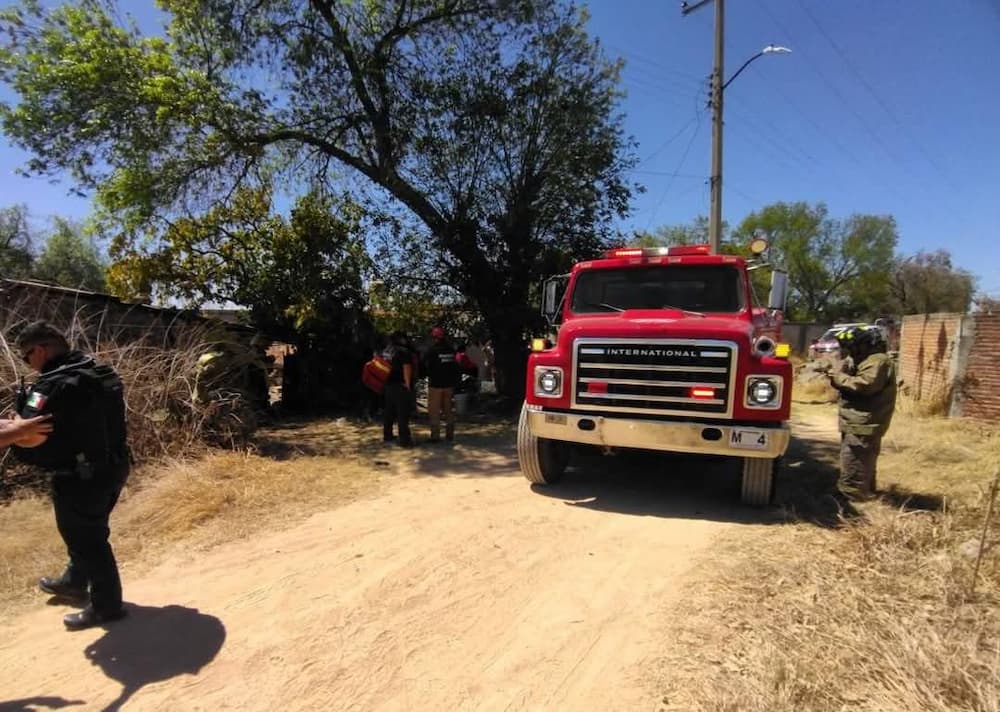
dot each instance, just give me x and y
(442, 377)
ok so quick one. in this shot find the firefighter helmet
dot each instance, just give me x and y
(857, 339)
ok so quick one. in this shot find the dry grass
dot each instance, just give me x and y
(158, 369)
(815, 391)
(299, 469)
(875, 615)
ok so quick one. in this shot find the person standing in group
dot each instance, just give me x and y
(87, 455)
(867, 388)
(442, 378)
(398, 390)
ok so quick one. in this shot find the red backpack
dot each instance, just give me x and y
(375, 373)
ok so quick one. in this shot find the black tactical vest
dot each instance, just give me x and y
(87, 405)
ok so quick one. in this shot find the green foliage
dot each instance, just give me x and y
(493, 123)
(16, 248)
(70, 258)
(301, 275)
(836, 267)
(927, 282)
(695, 233)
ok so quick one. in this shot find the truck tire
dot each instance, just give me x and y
(542, 461)
(758, 481)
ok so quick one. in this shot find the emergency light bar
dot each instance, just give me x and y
(672, 251)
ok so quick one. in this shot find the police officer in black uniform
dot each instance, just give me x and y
(398, 390)
(87, 456)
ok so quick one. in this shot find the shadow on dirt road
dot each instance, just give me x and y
(153, 644)
(28, 704)
(657, 485)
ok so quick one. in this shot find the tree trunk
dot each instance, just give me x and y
(511, 356)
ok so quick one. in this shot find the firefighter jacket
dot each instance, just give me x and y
(441, 365)
(86, 402)
(867, 396)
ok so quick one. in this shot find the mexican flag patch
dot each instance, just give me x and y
(37, 400)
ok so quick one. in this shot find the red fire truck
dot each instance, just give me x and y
(660, 349)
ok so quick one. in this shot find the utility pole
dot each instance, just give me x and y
(715, 182)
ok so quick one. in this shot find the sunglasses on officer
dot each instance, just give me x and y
(26, 356)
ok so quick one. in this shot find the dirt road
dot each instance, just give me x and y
(458, 589)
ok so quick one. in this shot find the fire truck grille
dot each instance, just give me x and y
(693, 378)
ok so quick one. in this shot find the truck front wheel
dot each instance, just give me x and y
(542, 461)
(758, 481)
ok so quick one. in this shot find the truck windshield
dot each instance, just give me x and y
(697, 288)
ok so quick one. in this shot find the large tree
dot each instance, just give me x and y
(927, 282)
(987, 304)
(16, 243)
(70, 258)
(693, 233)
(299, 276)
(835, 266)
(493, 122)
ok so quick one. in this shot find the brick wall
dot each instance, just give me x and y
(951, 362)
(927, 345)
(980, 394)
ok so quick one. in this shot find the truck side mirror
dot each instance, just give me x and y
(779, 290)
(550, 298)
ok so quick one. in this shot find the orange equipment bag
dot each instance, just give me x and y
(375, 373)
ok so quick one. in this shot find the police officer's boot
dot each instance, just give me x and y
(89, 617)
(63, 589)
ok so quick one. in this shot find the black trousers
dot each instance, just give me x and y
(82, 509)
(398, 405)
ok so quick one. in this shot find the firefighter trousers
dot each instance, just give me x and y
(858, 462)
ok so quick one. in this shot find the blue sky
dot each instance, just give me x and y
(885, 107)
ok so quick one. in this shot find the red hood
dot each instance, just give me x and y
(656, 324)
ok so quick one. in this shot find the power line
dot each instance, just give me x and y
(889, 185)
(680, 165)
(871, 91)
(669, 141)
(771, 149)
(833, 88)
(650, 75)
(832, 138)
(670, 173)
(782, 143)
(656, 92)
(691, 78)
(730, 186)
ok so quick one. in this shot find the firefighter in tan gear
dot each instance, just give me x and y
(867, 387)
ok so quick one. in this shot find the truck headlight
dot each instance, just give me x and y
(548, 381)
(763, 392)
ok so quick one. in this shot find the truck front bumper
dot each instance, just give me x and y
(698, 438)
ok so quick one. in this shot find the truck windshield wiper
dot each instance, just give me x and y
(612, 307)
(685, 311)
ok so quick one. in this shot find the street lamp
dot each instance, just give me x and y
(718, 85)
(770, 49)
